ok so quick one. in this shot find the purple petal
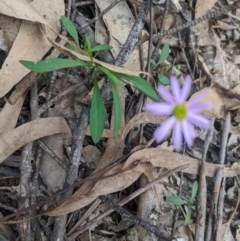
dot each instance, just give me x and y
(199, 121)
(198, 108)
(162, 132)
(187, 133)
(165, 94)
(159, 108)
(186, 88)
(198, 99)
(177, 136)
(192, 131)
(175, 88)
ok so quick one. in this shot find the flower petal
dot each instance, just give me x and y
(187, 133)
(186, 88)
(199, 121)
(192, 131)
(198, 99)
(162, 132)
(177, 136)
(175, 88)
(165, 94)
(199, 107)
(159, 108)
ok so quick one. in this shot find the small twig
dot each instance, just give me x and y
(232, 214)
(222, 155)
(126, 215)
(213, 205)
(183, 52)
(224, 139)
(55, 99)
(133, 35)
(80, 4)
(202, 192)
(72, 173)
(100, 14)
(155, 51)
(148, 68)
(52, 154)
(186, 25)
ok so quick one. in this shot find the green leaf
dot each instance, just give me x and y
(97, 113)
(178, 66)
(194, 191)
(52, 64)
(151, 60)
(175, 200)
(111, 76)
(69, 26)
(164, 54)
(117, 108)
(101, 47)
(179, 76)
(193, 208)
(68, 46)
(188, 216)
(140, 84)
(163, 79)
(88, 48)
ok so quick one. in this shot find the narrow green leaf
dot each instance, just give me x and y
(52, 64)
(69, 26)
(111, 76)
(88, 47)
(117, 108)
(101, 47)
(68, 46)
(153, 63)
(188, 216)
(175, 200)
(194, 191)
(163, 79)
(193, 208)
(140, 84)
(97, 114)
(144, 59)
(151, 60)
(164, 54)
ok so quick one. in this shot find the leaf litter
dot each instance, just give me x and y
(125, 160)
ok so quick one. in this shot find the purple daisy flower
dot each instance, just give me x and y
(183, 115)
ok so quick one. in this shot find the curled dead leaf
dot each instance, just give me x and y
(12, 140)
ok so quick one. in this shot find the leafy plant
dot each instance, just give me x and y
(97, 111)
(176, 200)
(162, 57)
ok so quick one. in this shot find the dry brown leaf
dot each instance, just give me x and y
(119, 21)
(30, 43)
(123, 175)
(161, 158)
(121, 180)
(212, 97)
(142, 118)
(9, 115)
(14, 139)
(22, 9)
(203, 7)
(10, 27)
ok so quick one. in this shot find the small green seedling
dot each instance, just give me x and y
(97, 111)
(162, 57)
(190, 204)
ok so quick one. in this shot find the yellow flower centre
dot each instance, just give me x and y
(180, 111)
